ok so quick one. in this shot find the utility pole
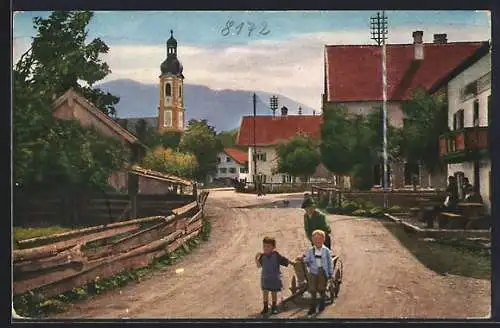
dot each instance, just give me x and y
(379, 34)
(254, 152)
(273, 103)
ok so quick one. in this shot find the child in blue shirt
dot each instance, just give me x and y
(319, 264)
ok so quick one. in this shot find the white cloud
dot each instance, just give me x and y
(293, 67)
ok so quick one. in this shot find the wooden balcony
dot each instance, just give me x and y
(464, 145)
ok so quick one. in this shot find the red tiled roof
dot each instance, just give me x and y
(237, 155)
(272, 130)
(354, 73)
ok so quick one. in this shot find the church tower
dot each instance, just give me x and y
(171, 108)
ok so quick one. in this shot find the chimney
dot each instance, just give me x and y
(418, 45)
(440, 38)
(284, 111)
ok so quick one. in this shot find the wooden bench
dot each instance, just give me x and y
(451, 220)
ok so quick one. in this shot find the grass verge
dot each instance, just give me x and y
(27, 233)
(36, 305)
(443, 257)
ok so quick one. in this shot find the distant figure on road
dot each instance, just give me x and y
(315, 220)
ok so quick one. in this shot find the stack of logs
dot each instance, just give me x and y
(64, 262)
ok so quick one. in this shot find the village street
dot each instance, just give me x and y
(220, 280)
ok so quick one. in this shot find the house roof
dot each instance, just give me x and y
(480, 53)
(273, 130)
(72, 96)
(237, 155)
(354, 72)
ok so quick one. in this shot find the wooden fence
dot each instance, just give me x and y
(73, 259)
(91, 209)
(284, 187)
(402, 198)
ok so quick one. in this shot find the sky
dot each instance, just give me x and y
(275, 51)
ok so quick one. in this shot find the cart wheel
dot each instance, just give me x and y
(332, 291)
(294, 285)
(337, 278)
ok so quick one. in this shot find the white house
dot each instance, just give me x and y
(353, 78)
(232, 164)
(465, 148)
(270, 131)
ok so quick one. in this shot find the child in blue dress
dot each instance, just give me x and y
(271, 281)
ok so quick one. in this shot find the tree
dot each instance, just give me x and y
(338, 143)
(298, 157)
(352, 144)
(48, 152)
(426, 118)
(227, 139)
(199, 139)
(169, 139)
(60, 58)
(168, 161)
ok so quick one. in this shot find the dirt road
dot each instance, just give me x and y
(219, 279)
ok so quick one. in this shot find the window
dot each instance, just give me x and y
(222, 170)
(218, 160)
(232, 170)
(180, 118)
(228, 159)
(168, 90)
(458, 120)
(180, 91)
(475, 117)
(167, 120)
(261, 156)
(411, 172)
(243, 169)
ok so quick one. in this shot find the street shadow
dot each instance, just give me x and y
(442, 258)
(282, 203)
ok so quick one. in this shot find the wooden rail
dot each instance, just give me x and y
(68, 262)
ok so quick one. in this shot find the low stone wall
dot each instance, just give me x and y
(439, 233)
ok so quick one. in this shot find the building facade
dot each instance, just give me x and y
(232, 164)
(353, 76)
(465, 147)
(270, 131)
(171, 105)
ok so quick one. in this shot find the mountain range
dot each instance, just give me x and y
(223, 109)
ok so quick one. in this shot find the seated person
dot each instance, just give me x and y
(471, 196)
(318, 260)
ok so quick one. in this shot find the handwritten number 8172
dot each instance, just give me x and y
(230, 28)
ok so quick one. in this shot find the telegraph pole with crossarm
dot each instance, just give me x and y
(379, 32)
